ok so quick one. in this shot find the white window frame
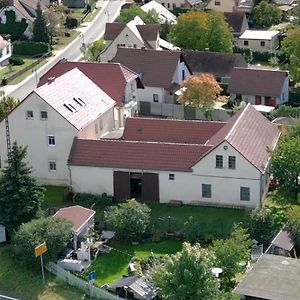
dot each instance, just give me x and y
(52, 163)
(218, 159)
(231, 162)
(155, 98)
(51, 137)
(242, 193)
(171, 176)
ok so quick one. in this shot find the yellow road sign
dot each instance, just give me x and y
(40, 249)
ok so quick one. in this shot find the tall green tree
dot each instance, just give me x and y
(230, 253)
(187, 275)
(266, 14)
(55, 232)
(96, 49)
(6, 105)
(199, 30)
(20, 195)
(291, 45)
(40, 30)
(126, 15)
(285, 166)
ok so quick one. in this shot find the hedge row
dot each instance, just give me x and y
(29, 48)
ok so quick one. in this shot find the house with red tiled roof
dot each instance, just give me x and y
(162, 72)
(116, 80)
(196, 162)
(259, 86)
(48, 120)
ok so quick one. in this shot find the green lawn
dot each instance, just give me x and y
(63, 41)
(54, 196)
(18, 281)
(111, 266)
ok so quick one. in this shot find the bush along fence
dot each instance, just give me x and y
(30, 48)
(83, 285)
(178, 111)
(7, 80)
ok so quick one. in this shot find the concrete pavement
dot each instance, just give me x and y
(93, 31)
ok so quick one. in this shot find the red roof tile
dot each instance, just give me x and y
(257, 82)
(135, 155)
(110, 77)
(174, 131)
(251, 134)
(77, 215)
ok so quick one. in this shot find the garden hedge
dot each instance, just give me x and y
(30, 48)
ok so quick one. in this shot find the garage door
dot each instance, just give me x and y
(150, 187)
(121, 185)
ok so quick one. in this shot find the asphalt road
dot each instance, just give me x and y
(73, 51)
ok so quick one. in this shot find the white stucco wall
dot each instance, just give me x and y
(284, 97)
(6, 52)
(225, 5)
(99, 127)
(34, 134)
(170, 4)
(146, 94)
(177, 78)
(131, 91)
(187, 186)
(256, 44)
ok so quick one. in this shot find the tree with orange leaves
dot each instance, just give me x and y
(200, 91)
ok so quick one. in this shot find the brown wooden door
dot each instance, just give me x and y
(121, 185)
(150, 187)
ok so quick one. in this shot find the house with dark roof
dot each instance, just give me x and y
(272, 277)
(49, 118)
(219, 64)
(259, 86)
(25, 12)
(122, 89)
(196, 162)
(161, 72)
(237, 20)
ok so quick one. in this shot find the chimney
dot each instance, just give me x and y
(51, 79)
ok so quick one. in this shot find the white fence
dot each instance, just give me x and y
(178, 111)
(80, 283)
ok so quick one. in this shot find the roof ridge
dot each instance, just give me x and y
(236, 122)
(176, 120)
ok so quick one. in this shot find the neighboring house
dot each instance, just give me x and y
(237, 20)
(24, 12)
(161, 72)
(81, 218)
(245, 6)
(259, 40)
(50, 118)
(259, 86)
(219, 64)
(171, 4)
(134, 34)
(75, 3)
(196, 162)
(133, 287)
(5, 49)
(222, 5)
(272, 277)
(116, 80)
(194, 4)
(164, 14)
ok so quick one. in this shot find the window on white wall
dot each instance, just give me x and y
(245, 193)
(219, 161)
(231, 162)
(44, 115)
(262, 44)
(246, 43)
(217, 3)
(29, 114)
(51, 140)
(52, 166)
(183, 74)
(155, 97)
(96, 128)
(206, 190)
(171, 176)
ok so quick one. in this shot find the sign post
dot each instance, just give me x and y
(92, 277)
(39, 250)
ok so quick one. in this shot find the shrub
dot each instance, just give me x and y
(16, 61)
(191, 230)
(30, 48)
(130, 219)
(71, 22)
(54, 231)
(104, 199)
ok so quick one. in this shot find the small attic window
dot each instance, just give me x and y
(70, 107)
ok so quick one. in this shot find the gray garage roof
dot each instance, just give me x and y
(272, 277)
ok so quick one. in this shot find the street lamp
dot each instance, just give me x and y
(217, 272)
(125, 288)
